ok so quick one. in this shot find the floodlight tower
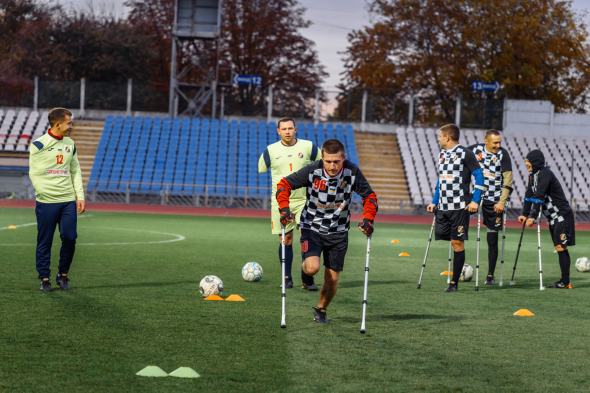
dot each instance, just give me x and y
(194, 21)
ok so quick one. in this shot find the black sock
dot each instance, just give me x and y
(288, 258)
(492, 251)
(458, 262)
(565, 263)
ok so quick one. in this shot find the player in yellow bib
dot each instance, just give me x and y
(283, 158)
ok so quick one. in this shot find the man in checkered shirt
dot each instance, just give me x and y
(455, 167)
(497, 179)
(325, 219)
(544, 193)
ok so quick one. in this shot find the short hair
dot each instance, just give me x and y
(452, 131)
(491, 132)
(285, 119)
(332, 146)
(57, 115)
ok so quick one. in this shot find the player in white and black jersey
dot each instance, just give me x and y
(325, 219)
(497, 179)
(544, 192)
(451, 199)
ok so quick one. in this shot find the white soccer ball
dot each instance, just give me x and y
(583, 265)
(252, 272)
(467, 273)
(211, 285)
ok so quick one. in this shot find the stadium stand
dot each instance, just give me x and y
(220, 158)
(187, 157)
(18, 130)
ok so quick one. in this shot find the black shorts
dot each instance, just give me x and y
(452, 225)
(491, 219)
(333, 246)
(564, 233)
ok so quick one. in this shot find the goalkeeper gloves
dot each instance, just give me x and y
(286, 216)
(367, 226)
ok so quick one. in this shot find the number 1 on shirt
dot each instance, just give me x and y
(291, 167)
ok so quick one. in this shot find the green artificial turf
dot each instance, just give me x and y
(134, 305)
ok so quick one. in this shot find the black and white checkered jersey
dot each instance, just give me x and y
(327, 208)
(544, 186)
(454, 176)
(492, 165)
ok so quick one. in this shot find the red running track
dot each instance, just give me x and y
(225, 212)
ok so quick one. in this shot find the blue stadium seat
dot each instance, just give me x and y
(172, 158)
(142, 147)
(191, 163)
(222, 156)
(202, 157)
(252, 167)
(109, 155)
(160, 163)
(321, 135)
(211, 164)
(330, 134)
(131, 153)
(273, 136)
(340, 135)
(310, 134)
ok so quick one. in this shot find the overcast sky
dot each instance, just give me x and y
(332, 21)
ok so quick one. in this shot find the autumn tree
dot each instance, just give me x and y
(535, 49)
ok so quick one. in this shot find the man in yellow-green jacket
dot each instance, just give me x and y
(55, 173)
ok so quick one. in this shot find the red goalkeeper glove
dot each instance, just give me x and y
(286, 216)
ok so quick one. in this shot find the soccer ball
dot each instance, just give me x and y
(211, 285)
(467, 273)
(583, 265)
(252, 272)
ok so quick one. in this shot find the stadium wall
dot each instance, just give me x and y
(538, 118)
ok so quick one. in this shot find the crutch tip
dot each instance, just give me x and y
(500, 284)
(362, 331)
(418, 287)
(511, 282)
(283, 326)
(542, 288)
(476, 289)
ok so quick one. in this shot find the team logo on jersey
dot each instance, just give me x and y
(342, 184)
(495, 159)
(442, 158)
(563, 237)
(479, 157)
(455, 158)
(67, 149)
(460, 229)
(300, 155)
(498, 221)
(51, 148)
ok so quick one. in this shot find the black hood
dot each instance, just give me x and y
(537, 159)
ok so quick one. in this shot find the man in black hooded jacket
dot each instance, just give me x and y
(545, 193)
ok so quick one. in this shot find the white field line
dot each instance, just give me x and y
(178, 238)
(35, 223)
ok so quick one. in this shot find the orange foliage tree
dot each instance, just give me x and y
(535, 49)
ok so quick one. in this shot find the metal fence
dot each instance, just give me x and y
(431, 108)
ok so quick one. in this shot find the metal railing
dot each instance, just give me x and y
(363, 104)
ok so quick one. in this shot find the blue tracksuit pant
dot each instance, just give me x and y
(48, 216)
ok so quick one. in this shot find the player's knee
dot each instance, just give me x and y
(458, 245)
(311, 266)
(559, 248)
(69, 238)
